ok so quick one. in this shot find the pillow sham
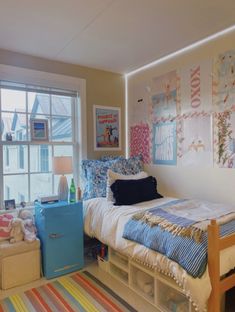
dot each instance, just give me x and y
(130, 165)
(96, 181)
(92, 170)
(129, 192)
(113, 176)
(94, 173)
(111, 157)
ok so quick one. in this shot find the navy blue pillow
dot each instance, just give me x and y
(129, 192)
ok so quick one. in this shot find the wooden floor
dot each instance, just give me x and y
(123, 291)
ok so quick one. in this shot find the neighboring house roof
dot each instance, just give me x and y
(6, 124)
(20, 118)
(62, 127)
(60, 105)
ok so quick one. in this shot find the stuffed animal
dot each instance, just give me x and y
(144, 282)
(5, 226)
(28, 225)
(17, 232)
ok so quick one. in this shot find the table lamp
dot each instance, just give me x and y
(63, 165)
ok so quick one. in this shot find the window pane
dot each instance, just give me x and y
(16, 187)
(40, 158)
(63, 150)
(61, 129)
(38, 103)
(61, 105)
(13, 100)
(14, 127)
(41, 185)
(15, 159)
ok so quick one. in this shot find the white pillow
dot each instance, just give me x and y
(113, 176)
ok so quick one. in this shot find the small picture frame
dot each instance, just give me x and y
(9, 204)
(39, 129)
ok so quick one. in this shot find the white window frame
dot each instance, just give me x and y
(57, 81)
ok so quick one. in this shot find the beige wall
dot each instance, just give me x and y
(215, 184)
(102, 88)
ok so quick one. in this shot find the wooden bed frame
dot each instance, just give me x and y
(219, 285)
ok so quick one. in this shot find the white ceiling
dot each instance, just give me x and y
(114, 35)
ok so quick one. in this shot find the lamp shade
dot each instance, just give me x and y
(62, 165)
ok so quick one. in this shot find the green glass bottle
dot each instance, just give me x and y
(72, 192)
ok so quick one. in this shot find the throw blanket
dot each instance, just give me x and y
(166, 230)
(177, 225)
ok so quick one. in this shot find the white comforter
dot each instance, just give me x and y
(106, 222)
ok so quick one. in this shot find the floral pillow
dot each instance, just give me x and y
(95, 173)
(111, 157)
(87, 163)
(130, 165)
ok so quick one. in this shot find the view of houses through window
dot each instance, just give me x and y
(27, 164)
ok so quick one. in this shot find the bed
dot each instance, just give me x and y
(107, 222)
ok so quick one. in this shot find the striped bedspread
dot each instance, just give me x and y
(188, 252)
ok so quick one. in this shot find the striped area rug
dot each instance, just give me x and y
(78, 292)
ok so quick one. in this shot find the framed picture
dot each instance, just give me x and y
(39, 129)
(107, 128)
(9, 204)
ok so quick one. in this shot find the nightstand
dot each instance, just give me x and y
(60, 230)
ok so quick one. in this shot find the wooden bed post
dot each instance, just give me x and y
(214, 266)
(219, 285)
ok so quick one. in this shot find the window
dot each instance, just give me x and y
(27, 165)
(21, 157)
(7, 192)
(7, 157)
(44, 158)
(21, 198)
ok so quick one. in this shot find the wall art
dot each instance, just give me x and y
(107, 128)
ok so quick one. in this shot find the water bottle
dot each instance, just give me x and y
(72, 192)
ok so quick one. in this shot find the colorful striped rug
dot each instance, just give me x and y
(78, 292)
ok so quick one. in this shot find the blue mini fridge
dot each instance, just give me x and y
(60, 230)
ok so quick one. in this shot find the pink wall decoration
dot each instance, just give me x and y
(140, 141)
(195, 82)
